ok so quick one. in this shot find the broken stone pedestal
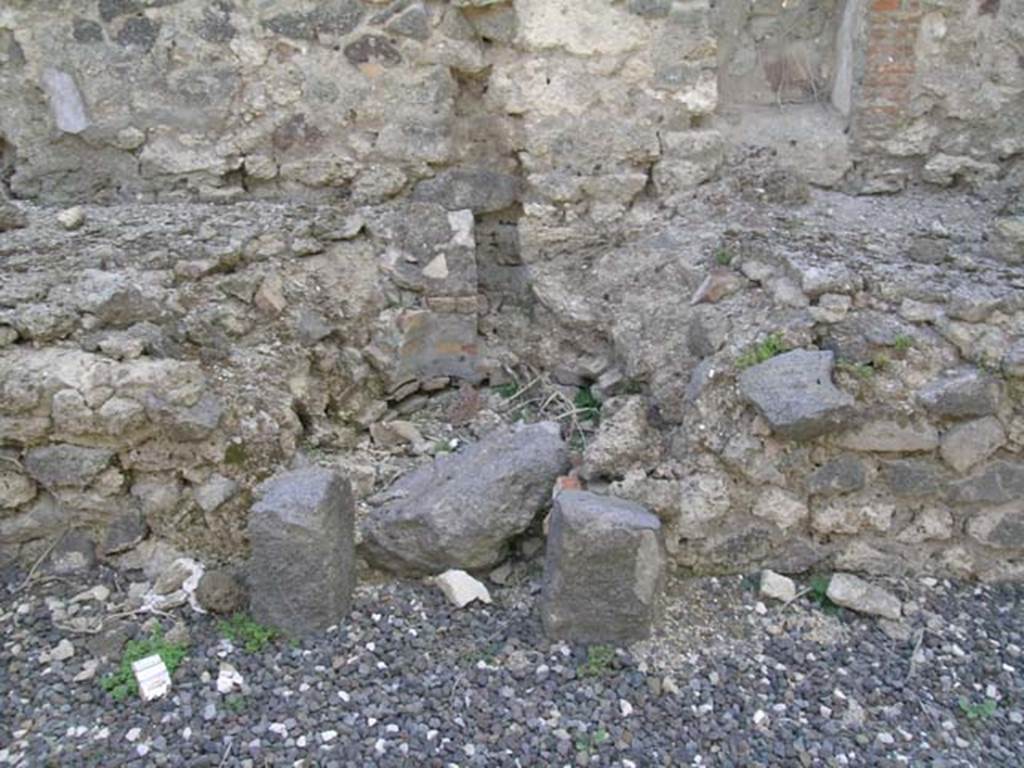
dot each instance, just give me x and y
(604, 570)
(302, 562)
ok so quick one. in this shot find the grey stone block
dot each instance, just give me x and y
(478, 189)
(603, 572)
(915, 477)
(843, 474)
(66, 466)
(795, 394)
(1002, 527)
(971, 442)
(302, 564)
(998, 483)
(963, 395)
(461, 510)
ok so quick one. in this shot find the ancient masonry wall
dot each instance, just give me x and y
(583, 102)
(307, 220)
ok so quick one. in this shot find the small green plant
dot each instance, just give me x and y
(588, 742)
(235, 454)
(235, 703)
(631, 387)
(589, 407)
(487, 654)
(765, 350)
(863, 371)
(122, 684)
(902, 342)
(508, 390)
(253, 636)
(599, 661)
(819, 593)
(981, 711)
(723, 257)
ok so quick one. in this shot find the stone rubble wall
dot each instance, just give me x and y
(160, 361)
(571, 109)
(941, 91)
(307, 217)
(199, 348)
(893, 448)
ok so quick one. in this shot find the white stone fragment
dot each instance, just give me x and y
(63, 651)
(228, 679)
(88, 671)
(71, 218)
(461, 589)
(152, 676)
(777, 587)
(99, 593)
(854, 593)
(66, 103)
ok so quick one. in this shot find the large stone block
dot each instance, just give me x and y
(422, 344)
(972, 442)
(461, 510)
(302, 561)
(998, 483)
(625, 438)
(891, 435)
(795, 394)
(689, 158)
(477, 189)
(584, 29)
(66, 466)
(913, 478)
(1001, 527)
(962, 395)
(603, 572)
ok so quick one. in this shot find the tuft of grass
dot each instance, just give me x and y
(508, 390)
(819, 593)
(902, 342)
(765, 350)
(599, 661)
(724, 257)
(235, 703)
(588, 742)
(244, 630)
(631, 387)
(235, 454)
(122, 684)
(487, 654)
(981, 711)
(588, 405)
(863, 371)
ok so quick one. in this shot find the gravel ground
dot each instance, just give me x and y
(411, 681)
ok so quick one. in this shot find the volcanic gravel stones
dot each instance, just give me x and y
(412, 680)
(461, 510)
(302, 566)
(604, 570)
